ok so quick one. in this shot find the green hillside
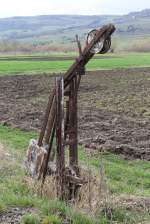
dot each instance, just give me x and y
(50, 28)
(61, 29)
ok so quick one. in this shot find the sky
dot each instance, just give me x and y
(10, 8)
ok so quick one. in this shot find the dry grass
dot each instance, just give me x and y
(48, 189)
(140, 46)
(94, 197)
(16, 47)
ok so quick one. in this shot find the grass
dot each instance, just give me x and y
(13, 189)
(129, 177)
(36, 55)
(52, 219)
(30, 67)
(36, 67)
(123, 176)
(120, 61)
(30, 219)
(15, 139)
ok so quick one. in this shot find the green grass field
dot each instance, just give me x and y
(109, 62)
(123, 177)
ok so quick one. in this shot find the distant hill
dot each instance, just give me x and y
(61, 29)
(48, 26)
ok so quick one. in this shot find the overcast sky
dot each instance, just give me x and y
(84, 7)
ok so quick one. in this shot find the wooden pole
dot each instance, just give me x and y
(50, 121)
(73, 138)
(67, 120)
(60, 154)
(46, 117)
(49, 151)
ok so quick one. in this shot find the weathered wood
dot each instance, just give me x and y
(83, 59)
(73, 138)
(42, 133)
(78, 82)
(67, 120)
(65, 123)
(50, 121)
(86, 54)
(75, 180)
(60, 155)
(35, 159)
(49, 151)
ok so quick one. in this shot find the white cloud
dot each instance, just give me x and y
(38, 7)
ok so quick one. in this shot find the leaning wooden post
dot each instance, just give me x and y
(60, 154)
(46, 117)
(50, 122)
(73, 138)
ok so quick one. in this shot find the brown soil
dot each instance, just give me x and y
(47, 58)
(114, 108)
(14, 215)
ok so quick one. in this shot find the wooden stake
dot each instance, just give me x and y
(44, 125)
(60, 154)
(50, 121)
(73, 124)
